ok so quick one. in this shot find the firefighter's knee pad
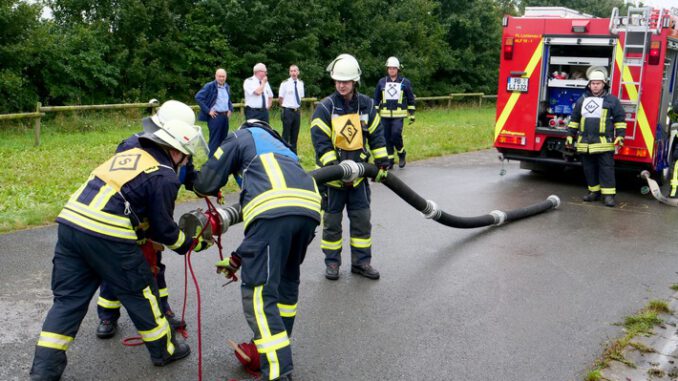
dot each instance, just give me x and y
(332, 225)
(360, 222)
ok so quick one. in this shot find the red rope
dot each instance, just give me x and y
(199, 322)
(189, 267)
(132, 341)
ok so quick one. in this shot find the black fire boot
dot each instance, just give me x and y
(107, 329)
(174, 321)
(609, 200)
(401, 159)
(365, 270)
(592, 196)
(332, 271)
(181, 350)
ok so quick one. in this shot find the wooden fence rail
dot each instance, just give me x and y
(40, 110)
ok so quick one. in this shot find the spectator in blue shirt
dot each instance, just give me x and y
(216, 107)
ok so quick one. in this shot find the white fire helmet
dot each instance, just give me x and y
(185, 138)
(393, 62)
(173, 110)
(344, 68)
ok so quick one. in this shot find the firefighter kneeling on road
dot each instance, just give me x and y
(97, 240)
(342, 126)
(599, 125)
(281, 210)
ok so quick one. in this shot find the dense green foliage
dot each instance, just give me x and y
(112, 51)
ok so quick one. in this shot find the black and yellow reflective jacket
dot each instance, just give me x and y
(596, 121)
(394, 99)
(273, 182)
(129, 197)
(337, 137)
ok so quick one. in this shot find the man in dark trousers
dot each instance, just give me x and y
(290, 93)
(599, 125)
(281, 210)
(346, 126)
(216, 107)
(108, 304)
(127, 198)
(394, 99)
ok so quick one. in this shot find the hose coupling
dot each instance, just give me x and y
(499, 217)
(431, 211)
(555, 200)
(351, 170)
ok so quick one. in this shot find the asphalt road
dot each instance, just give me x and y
(536, 299)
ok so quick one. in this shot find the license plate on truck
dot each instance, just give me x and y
(517, 84)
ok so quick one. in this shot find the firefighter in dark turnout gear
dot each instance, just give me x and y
(108, 305)
(342, 127)
(673, 119)
(599, 125)
(129, 197)
(394, 98)
(281, 209)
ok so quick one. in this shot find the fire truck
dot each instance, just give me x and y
(544, 60)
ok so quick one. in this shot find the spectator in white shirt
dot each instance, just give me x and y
(258, 94)
(290, 94)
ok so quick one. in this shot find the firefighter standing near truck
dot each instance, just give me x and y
(127, 198)
(342, 127)
(394, 98)
(599, 125)
(673, 118)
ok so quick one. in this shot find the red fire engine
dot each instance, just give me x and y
(545, 57)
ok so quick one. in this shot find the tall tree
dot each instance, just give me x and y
(473, 34)
(22, 41)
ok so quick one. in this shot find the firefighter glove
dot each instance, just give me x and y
(619, 141)
(228, 266)
(333, 162)
(381, 175)
(569, 141)
(382, 163)
(200, 243)
(412, 119)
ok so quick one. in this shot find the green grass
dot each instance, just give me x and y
(639, 324)
(37, 181)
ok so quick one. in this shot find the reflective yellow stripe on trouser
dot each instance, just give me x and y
(330, 245)
(54, 340)
(268, 344)
(107, 303)
(287, 310)
(361, 243)
(162, 328)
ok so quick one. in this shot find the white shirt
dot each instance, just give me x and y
(253, 100)
(286, 92)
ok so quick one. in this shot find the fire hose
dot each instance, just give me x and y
(348, 171)
(656, 191)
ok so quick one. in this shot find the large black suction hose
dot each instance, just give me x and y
(349, 171)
